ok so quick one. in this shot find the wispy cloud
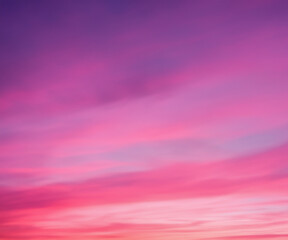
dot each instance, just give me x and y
(143, 120)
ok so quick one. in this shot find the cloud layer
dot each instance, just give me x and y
(143, 120)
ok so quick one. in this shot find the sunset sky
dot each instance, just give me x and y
(143, 119)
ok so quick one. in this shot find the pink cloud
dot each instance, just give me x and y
(143, 120)
(260, 174)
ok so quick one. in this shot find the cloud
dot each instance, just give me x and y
(260, 174)
(134, 106)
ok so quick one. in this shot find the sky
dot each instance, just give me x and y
(143, 120)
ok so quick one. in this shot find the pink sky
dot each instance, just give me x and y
(135, 120)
